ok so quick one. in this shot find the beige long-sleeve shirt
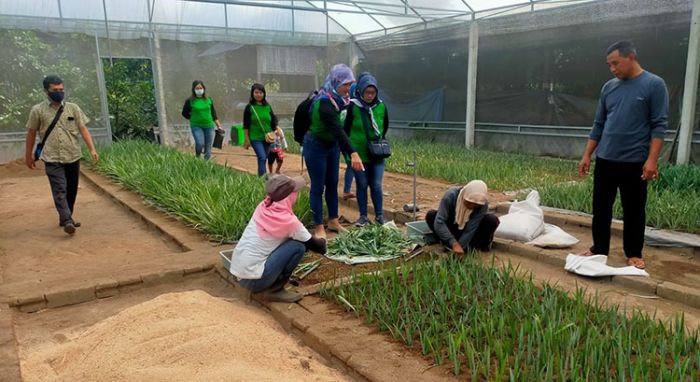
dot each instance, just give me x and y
(63, 144)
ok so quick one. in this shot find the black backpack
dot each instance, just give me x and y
(302, 117)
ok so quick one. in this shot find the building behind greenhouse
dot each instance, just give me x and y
(508, 75)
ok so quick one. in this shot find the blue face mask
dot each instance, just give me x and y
(57, 96)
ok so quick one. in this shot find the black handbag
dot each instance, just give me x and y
(219, 138)
(377, 148)
(40, 146)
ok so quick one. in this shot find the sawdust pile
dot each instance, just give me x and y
(188, 336)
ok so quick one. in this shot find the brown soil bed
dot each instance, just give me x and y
(331, 269)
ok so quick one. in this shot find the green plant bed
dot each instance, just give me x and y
(491, 324)
(673, 201)
(213, 198)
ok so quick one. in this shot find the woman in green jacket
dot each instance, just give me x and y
(367, 116)
(259, 120)
(199, 110)
(322, 146)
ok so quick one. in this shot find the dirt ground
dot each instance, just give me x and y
(200, 331)
(34, 247)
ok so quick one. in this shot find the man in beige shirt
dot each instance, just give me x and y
(61, 153)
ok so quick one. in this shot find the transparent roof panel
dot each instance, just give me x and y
(138, 10)
(36, 8)
(79, 9)
(346, 16)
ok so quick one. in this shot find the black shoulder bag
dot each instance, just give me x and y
(377, 148)
(40, 146)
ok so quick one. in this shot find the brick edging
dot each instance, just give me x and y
(9, 361)
(646, 285)
(102, 288)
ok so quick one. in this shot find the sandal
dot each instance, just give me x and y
(321, 234)
(636, 262)
(337, 229)
(348, 195)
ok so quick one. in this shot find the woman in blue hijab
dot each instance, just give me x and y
(367, 119)
(322, 146)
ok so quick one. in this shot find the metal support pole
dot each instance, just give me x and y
(690, 88)
(415, 181)
(160, 94)
(109, 43)
(226, 17)
(471, 83)
(103, 92)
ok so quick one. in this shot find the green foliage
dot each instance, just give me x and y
(28, 56)
(494, 326)
(131, 97)
(212, 198)
(501, 171)
(373, 240)
(673, 201)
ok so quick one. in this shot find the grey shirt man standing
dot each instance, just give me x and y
(61, 152)
(627, 136)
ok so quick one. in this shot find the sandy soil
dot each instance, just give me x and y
(186, 336)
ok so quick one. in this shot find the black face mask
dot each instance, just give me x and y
(57, 96)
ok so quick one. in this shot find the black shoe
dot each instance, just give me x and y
(69, 228)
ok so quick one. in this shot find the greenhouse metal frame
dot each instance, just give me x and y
(333, 25)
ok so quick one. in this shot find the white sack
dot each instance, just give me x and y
(553, 237)
(524, 221)
(596, 266)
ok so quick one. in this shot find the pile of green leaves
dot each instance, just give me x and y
(493, 325)
(215, 199)
(371, 240)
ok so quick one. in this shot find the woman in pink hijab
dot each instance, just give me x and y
(462, 221)
(274, 243)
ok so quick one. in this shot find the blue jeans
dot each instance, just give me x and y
(203, 139)
(322, 161)
(278, 266)
(349, 175)
(262, 150)
(372, 178)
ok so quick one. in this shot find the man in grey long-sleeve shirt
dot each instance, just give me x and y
(627, 136)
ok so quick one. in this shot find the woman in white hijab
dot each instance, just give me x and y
(462, 221)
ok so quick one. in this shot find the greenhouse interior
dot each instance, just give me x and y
(535, 83)
(501, 92)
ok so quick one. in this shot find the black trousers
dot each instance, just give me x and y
(482, 237)
(608, 176)
(63, 178)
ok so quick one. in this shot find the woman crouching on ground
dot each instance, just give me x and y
(273, 243)
(462, 221)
